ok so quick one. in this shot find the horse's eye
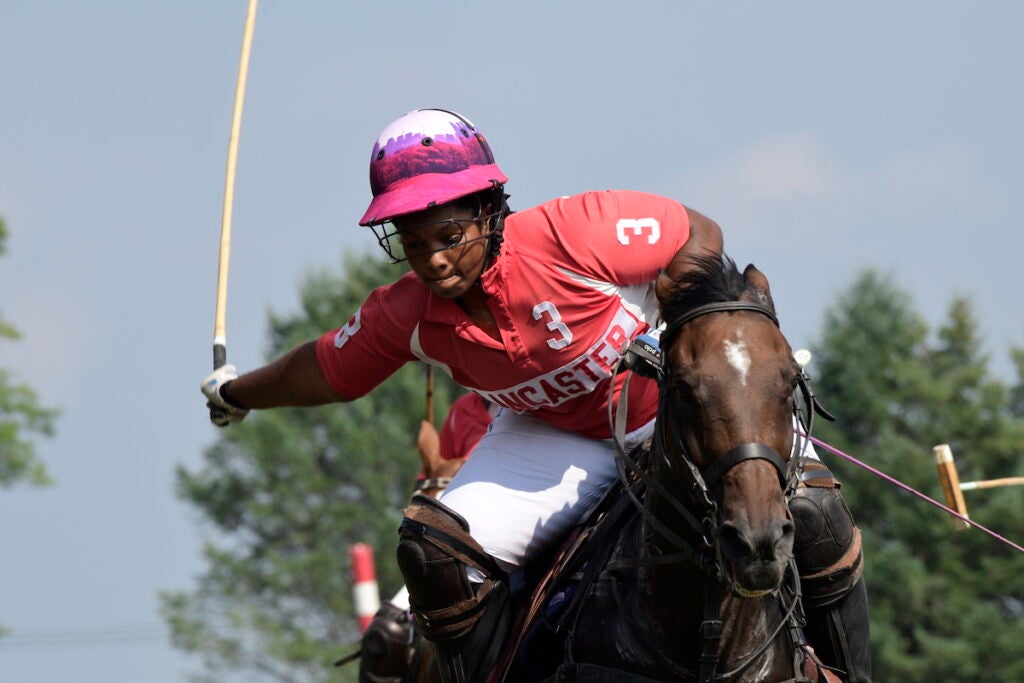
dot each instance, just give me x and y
(684, 392)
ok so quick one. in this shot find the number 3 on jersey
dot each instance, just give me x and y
(546, 309)
(635, 227)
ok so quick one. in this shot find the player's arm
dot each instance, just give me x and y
(705, 240)
(294, 379)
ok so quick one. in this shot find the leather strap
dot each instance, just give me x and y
(746, 451)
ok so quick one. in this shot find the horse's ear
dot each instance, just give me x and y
(664, 287)
(756, 279)
(429, 445)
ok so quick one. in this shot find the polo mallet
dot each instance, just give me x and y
(220, 352)
(953, 488)
(430, 394)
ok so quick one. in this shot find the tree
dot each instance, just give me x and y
(945, 605)
(286, 493)
(20, 416)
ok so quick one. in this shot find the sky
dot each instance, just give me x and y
(825, 138)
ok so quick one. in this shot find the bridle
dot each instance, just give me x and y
(701, 510)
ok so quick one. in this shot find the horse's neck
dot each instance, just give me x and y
(673, 594)
(676, 597)
(674, 600)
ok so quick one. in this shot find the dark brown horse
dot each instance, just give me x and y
(694, 580)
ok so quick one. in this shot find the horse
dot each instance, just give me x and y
(689, 573)
(686, 571)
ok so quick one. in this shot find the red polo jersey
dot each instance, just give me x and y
(573, 284)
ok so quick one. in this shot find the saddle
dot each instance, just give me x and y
(547, 593)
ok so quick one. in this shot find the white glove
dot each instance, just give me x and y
(222, 413)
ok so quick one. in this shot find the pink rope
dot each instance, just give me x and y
(896, 482)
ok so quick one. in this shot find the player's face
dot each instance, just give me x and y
(446, 247)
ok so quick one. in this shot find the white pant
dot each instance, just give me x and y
(528, 483)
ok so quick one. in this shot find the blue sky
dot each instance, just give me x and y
(823, 137)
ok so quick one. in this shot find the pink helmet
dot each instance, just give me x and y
(427, 158)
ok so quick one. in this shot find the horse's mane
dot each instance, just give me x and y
(712, 280)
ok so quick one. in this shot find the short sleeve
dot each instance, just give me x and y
(368, 348)
(622, 237)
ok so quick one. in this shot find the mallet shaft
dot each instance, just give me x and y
(991, 483)
(220, 315)
(430, 394)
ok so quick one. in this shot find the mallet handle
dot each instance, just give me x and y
(430, 394)
(219, 326)
(991, 483)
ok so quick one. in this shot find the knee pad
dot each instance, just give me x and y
(827, 545)
(434, 550)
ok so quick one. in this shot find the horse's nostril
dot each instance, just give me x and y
(734, 541)
(742, 543)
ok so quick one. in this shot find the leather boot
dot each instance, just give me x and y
(839, 633)
(463, 620)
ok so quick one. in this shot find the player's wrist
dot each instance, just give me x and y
(225, 395)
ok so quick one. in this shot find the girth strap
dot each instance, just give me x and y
(747, 451)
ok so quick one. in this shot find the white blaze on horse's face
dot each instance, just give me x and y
(739, 359)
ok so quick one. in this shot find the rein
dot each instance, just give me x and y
(704, 518)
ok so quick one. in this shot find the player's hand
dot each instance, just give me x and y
(222, 413)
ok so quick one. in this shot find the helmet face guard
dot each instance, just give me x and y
(389, 237)
(427, 158)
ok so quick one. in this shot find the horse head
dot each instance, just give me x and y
(727, 421)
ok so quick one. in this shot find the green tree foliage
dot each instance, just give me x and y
(946, 605)
(20, 416)
(286, 493)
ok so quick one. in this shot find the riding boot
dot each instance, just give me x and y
(839, 633)
(461, 619)
(827, 548)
